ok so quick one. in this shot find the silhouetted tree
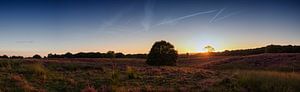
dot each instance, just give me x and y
(16, 57)
(267, 49)
(4, 56)
(110, 54)
(68, 55)
(187, 55)
(50, 55)
(209, 49)
(119, 55)
(162, 53)
(54, 56)
(36, 56)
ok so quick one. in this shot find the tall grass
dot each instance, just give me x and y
(115, 75)
(36, 68)
(131, 73)
(9, 64)
(269, 81)
(23, 83)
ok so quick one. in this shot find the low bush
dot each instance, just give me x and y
(131, 73)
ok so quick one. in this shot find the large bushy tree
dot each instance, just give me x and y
(162, 53)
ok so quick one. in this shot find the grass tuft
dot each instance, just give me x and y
(36, 68)
(131, 73)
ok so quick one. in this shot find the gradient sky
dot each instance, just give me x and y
(30, 27)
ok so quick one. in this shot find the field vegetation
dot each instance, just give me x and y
(256, 73)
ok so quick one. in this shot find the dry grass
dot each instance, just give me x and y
(269, 81)
(270, 61)
(133, 75)
(21, 82)
(109, 74)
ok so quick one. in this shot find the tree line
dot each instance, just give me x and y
(267, 49)
(112, 54)
(109, 54)
(12, 57)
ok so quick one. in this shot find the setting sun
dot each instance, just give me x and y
(201, 43)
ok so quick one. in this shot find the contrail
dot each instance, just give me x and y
(146, 23)
(213, 19)
(110, 22)
(185, 17)
(224, 17)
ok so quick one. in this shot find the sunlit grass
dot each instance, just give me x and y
(269, 81)
(36, 68)
(259, 81)
(131, 73)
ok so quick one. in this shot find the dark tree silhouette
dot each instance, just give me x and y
(110, 54)
(4, 56)
(54, 56)
(209, 49)
(16, 57)
(267, 49)
(68, 55)
(36, 56)
(162, 53)
(119, 55)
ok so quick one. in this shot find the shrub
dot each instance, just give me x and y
(36, 68)
(16, 57)
(4, 56)
(68, 55)
(119, 55)
(162, 53)
(115, 75)
(131, 73)
(36, 56)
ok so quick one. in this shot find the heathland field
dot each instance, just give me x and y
(252, 73)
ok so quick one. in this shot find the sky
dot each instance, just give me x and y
(29, 27)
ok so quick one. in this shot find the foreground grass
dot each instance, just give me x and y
(259, 81)
(269, 81)
(104, 76)
(286, 62)
(65, 75)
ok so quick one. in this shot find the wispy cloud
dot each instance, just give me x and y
(213, 19)
(148, 14)
(114, 19)
(226, 16)
(185, 17)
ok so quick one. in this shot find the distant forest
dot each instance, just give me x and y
(267, 49)
(112, 54)
(109, 54)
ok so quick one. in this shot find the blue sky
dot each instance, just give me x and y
(30, 27)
